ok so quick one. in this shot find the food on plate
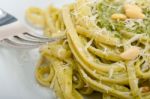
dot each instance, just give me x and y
(107, 48)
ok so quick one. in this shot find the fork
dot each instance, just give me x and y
(15, 34)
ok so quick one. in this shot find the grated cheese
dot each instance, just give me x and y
(75, 78)
(94, 71)
(111, 72)
(89, 44)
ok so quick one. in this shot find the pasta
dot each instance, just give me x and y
(100, 53)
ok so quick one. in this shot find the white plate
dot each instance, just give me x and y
(17, 66)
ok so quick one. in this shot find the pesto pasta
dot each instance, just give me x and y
(106, 50)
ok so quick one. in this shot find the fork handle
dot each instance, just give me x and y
(6, 18)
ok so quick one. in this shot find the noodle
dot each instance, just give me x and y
(99, 54)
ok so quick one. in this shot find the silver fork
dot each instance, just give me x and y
(15, 34)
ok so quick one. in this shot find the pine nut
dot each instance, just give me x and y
(133, 11)
(118, 17)
(131, 53)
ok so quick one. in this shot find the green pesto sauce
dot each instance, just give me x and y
(108, 7)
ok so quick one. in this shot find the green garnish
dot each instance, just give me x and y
(108, 7)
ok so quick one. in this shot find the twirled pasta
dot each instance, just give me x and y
(89, 59)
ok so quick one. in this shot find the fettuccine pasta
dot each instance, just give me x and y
(106, 50)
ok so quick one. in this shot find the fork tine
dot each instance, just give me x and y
(8, 42)
(36, 36)
(44, 39)
(19, 40)
(29, 40)
(24, 41)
